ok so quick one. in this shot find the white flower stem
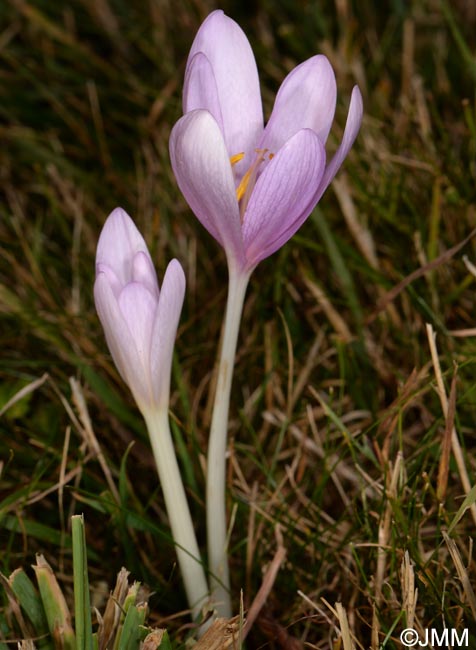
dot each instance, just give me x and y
(183, 533)
(216, 459)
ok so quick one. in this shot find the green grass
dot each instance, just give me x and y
(337, 429)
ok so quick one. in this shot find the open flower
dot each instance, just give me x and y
(139, 321)
(253, 187)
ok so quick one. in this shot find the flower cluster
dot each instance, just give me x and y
(251, 186)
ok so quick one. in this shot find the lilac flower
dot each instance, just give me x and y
(139, 321)
(253, 187)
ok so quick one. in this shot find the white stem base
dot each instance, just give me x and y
(183, 532)
(216, 459)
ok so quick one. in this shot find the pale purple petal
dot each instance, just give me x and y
(226, 47)
(118, 243)
(165, 329)
(305, 100)
(112, 278)
(138, 307)
(119, 338)
(204, 174)
(282, 197)
(200, 88)
(352, 126)
(143, 271)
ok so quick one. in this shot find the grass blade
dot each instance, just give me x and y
(82, 605)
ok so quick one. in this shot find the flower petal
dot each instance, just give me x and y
(138, 307)
(143, 271)
(200, 88)
(305, 100)
(283, 196)
(119, 338)
(118, 243)
(204, 174)
(231, 58)
(112, 278)
(352, 126)
(165, 329)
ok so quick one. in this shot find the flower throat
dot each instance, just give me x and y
(247, 183)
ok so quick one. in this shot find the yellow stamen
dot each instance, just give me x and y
(236, 158)
(241, 189)
(250, 176)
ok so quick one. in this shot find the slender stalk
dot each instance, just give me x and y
(216, 460)
(183, 532)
